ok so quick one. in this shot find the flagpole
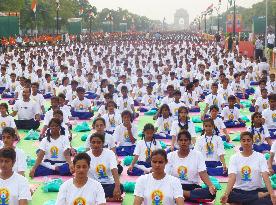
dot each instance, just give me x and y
(265, 23)
(36, 25)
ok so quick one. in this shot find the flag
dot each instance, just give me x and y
(34, 3)
(230, 2)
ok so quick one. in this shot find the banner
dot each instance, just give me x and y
(229, 23)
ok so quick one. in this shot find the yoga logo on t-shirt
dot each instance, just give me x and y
(5, 196)
(166, 126)
(182, 172)
(215, 101)
(274, 117)
(3, 124)
(112, 122)
(157, 197)
(190, 100)
(225, 96)
(176, 111)
(79, 201)
(246, 173)
(264, 106)
(101, 170)
(125, 104)
(54, 152)
(257, 139)
(231, 117)
(126, 136)
(148, 153)
(210, 148)
(81, 106)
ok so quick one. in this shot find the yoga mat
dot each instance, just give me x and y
(50, 177)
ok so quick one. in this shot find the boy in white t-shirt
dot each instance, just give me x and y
(176, 104)
(148, 101)
(269, 116)
(231, 114)
(262, 102)
(81, 106)
(14, 187)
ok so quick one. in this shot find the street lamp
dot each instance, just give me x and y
(58, 7)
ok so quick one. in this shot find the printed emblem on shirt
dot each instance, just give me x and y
(54, 152)
(190, 100)
(125, 104)
(166, 126)
(81, 106)
(215, 101)
(257, 139)
(274, 117)
(148, 153)
(182, 172)
(79, 201)
(150, 101)
(3, 124)
(264, 106)
(5, 196)
(225, 96)
(231, 117)
(112, 122)
(139, 93)
(176, 111)
(126, 136)
(101, 171)
(210, 148)
(157, 197)
(246, 173)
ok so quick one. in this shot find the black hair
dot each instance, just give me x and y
(246, 134)
(48, 132)
(98, 119)
(127, 112)
(164, 106)
(177, 92)
(231, 97)
(161, 152)
(5, 105)
(63, 79)
(186, 133)
(124, 88)
(212, 107)
(61, 95)
(82, 156)
(149, 126)
(272, 97)
(98, 135)
(8, 153)
(206, 121)
(236, 75)
(186, 125)
(253, 125)
(10, 131)
(214, 85)
(57, 112)
(80, 89)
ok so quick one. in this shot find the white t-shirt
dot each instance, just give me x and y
(186, 169)
(26, 110)
(100, 167)
(164, 125)
(219, 124)
(109, 141)
(149, 101)
(81, 105)
(7, 121)
(38, 98)
(55, 148)
(260, 134)
(270, 118)
(143, 149)
(213, 150)
(273, 150)
(248, 170)
(121, 135)
(91, 193)
(176, 129)
(125, 104)
(230, 114)
(214, 100)
(270, 38)
(112, 120)
(174, 108)
(262, 104)
(14, 189)
(163, 191)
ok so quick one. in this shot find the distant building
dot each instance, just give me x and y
(181, 19)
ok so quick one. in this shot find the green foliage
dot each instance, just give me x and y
(46, 12)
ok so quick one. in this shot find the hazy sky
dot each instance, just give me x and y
(158, 9)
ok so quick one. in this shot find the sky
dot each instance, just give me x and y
(158, 9)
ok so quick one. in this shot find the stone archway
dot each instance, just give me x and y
(181, 19)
